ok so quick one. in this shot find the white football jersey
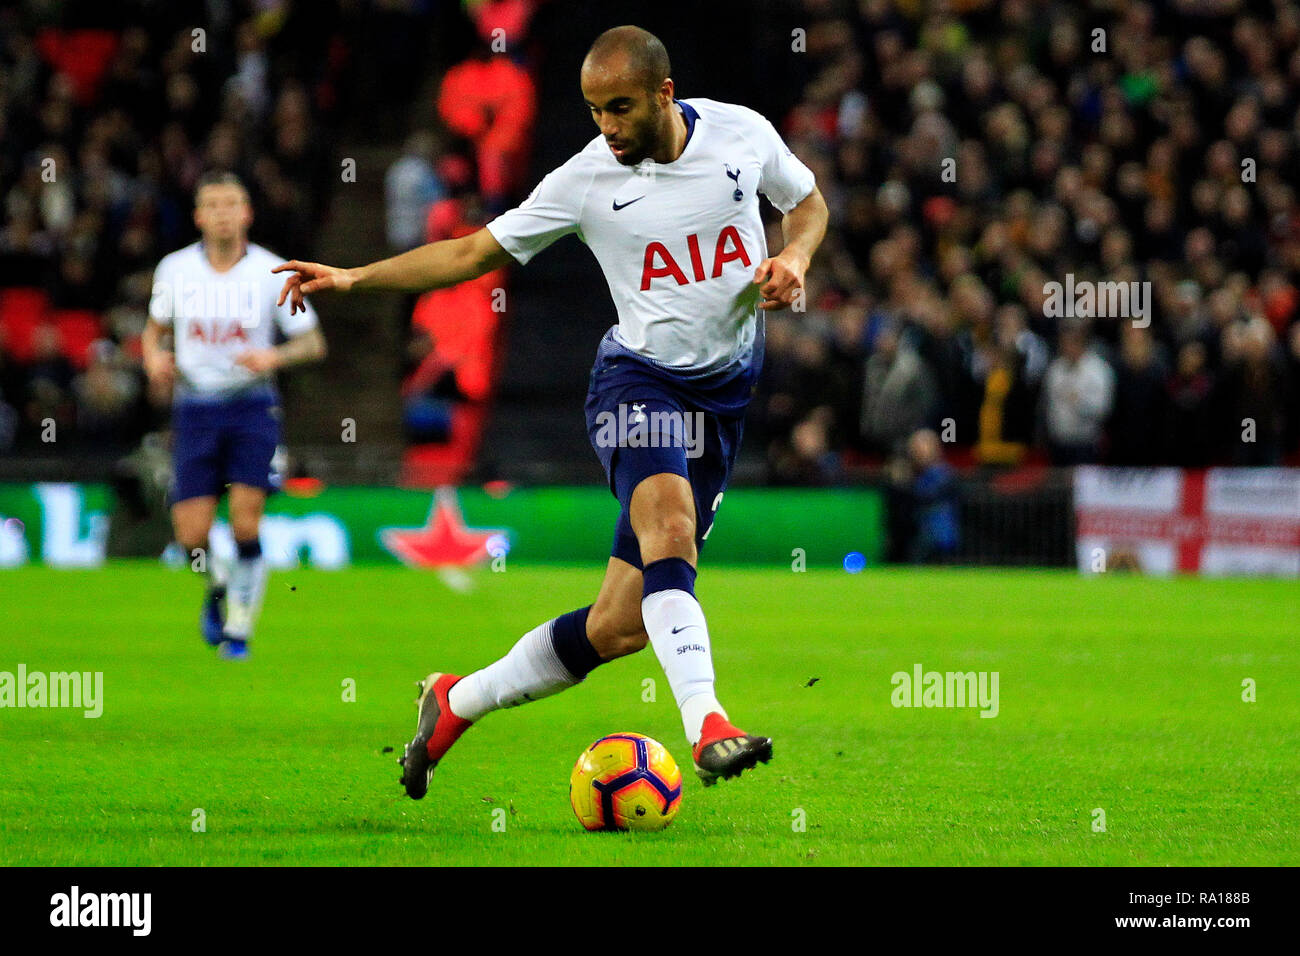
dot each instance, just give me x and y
(215, 316)
(678, 242)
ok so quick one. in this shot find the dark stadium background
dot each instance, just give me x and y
(1123, 165)
(371, 72)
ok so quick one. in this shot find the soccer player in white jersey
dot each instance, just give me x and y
(667, 199)
(220, 305)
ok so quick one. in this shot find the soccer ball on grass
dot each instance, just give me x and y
(625, 782)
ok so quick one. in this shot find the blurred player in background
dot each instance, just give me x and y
(218, 302)
(667, 198)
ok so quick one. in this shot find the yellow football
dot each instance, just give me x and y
(625, 782)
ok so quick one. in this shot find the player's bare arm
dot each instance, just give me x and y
(301, 349)
(781, 275)
(159, 362)
(434, 265)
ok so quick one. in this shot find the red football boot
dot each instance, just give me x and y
(437, 729)
(726, 751)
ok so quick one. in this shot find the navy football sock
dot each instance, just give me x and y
(569, 636)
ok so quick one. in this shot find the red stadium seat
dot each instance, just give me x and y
(22, 298)
(78, 329)
(21, 311)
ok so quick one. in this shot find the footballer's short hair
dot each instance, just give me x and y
(647, 57)
(218, 177)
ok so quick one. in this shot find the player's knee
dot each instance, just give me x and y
(676, 527)
(190, 534)
(668, 535)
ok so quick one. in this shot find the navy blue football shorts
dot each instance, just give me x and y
(642, 424)
(222, 441)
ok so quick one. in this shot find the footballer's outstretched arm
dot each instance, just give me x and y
(431, 266)
(781, 275)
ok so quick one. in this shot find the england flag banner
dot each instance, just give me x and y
(1220, 522)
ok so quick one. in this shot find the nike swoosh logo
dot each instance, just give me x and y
(683, 627)
(618, 205)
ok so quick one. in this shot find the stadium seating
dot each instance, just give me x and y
(78, 330)
(22, 310)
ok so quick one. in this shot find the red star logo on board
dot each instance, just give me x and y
(444, 541)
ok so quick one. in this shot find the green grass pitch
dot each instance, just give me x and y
(1121, 693)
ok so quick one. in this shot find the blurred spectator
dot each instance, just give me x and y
(11, 390)
(899, 395)
(1014, 365)
(411, 186)
(1078, 392)
(924, 510)
(26, 253)
(1139, 424)
(805, 455)
(1292, 438)
(48, 389)
(1006, 415)
(1254, 395)
(846, 372)
(1191, 409)
(1013, 332)
(107, 394)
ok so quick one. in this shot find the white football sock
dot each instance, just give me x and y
(244, 596)
(218, 570)
(530, 671)
(675, 622)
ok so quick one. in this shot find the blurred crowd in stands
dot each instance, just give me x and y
(1162, 150)
(468, 165)
(972, 153)
(108, 114)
